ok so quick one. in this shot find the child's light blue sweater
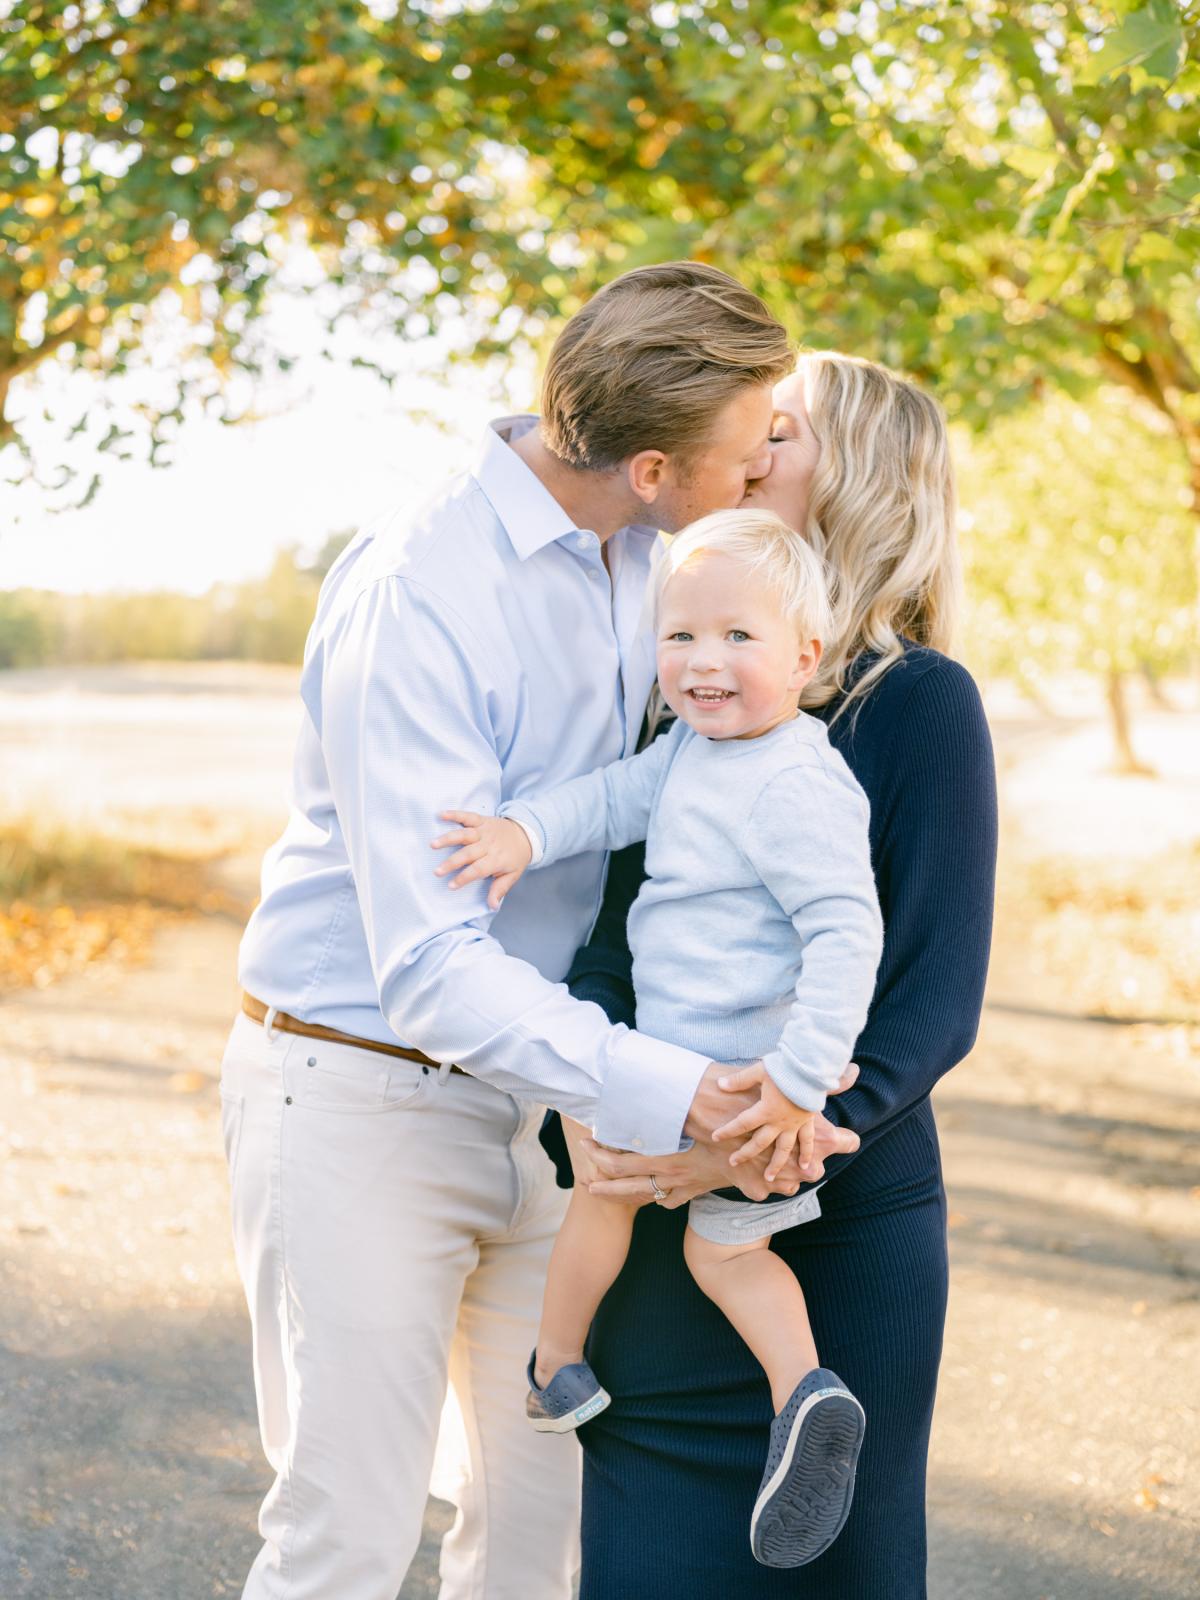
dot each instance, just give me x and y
(757, 932)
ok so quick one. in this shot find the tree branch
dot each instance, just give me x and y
(1018, 33)
(1135, 375)
(1173, 365)
(23, 360)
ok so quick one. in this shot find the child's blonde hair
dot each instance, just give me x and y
(780, 557)
(881, 513)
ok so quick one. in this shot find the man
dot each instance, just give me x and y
(393, 1211)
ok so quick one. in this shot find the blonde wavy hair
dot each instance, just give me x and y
(881, 515)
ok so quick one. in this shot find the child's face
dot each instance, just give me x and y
(729, 661)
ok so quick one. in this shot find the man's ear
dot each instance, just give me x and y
(808, 660)
(647, 472)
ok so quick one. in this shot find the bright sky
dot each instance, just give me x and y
(338, 447)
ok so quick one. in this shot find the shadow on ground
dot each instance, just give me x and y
(131, 1466)
(1057, 1549)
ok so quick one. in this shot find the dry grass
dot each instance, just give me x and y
(68, 897)
(1120, 938)
(1109, 938)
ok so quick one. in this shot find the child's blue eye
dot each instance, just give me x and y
(674, 638)
(738, 635)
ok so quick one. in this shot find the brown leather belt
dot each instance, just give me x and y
(257, 1012)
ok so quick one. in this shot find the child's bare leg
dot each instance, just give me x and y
(763, 1300)
(588, 1254)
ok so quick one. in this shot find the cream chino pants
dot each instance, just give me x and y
(392, 1230)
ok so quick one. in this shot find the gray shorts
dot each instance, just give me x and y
(724, 1221)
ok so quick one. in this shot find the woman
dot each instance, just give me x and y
(861, 461)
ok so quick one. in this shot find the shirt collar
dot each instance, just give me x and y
(529, 513)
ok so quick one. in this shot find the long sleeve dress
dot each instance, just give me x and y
(672, 1467)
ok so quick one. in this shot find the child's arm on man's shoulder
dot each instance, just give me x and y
(602, 810)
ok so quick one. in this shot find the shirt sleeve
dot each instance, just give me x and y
(807, 838)
(934, 824)
(603, 810)
(406, 726)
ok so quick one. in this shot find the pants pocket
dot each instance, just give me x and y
(350, 1082)
(233, 1111)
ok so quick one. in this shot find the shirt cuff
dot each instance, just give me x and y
(514, 811)
(535, 841)
(647, 1093)
(800, 1091)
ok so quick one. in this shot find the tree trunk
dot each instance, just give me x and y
(1165, 375)
(1033, 692)
(1126, 763)
(1154, 688)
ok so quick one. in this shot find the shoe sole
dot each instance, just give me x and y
(804, 1507)
(570, 1420)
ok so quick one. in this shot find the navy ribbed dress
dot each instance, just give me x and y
(672, 1468)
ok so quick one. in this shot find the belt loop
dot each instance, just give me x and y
(444, 1071)
(269, 1023)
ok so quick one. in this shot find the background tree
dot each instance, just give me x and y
(994, 194)
(1000, 196)
(179, 149)
(1079, 548)
(263, 619)
(24, 637)
(179, 155)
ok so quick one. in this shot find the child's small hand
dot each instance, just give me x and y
(493, 847)
(772, 1120)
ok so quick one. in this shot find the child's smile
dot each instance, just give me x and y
(729, 662)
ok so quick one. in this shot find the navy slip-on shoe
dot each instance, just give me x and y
(572, 1397)
(805, 1495)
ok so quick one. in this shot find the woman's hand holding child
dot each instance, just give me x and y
(772, 1120)
(492, 847)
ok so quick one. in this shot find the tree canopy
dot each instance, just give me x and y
(1079, 541)
(997, 195)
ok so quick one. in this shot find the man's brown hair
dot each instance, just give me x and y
(652, 360)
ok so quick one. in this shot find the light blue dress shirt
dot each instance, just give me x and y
(463, 656)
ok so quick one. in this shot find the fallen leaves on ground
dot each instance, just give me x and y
(69, 898)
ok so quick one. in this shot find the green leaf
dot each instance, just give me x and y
(1111, 246)
(1156, 247)
(1030, 161)
(1151, 39)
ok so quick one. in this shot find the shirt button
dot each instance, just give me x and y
(583, 541)
(637, 1143)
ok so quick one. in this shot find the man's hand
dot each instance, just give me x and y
(493, 847)
(712, 1107)
(705, 1166)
